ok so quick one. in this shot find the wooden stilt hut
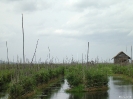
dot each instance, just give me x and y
(121, 57)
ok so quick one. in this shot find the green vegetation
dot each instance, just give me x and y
(79, 88)
(22, 79)
(122, 69)
(5, 78)
(28, 84)
(84, 78)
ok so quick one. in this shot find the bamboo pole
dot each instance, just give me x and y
(131, 54)
(87, 53)
(35, 51)
(82, 59)
(7, 53)
(49, 54)
(23, 40)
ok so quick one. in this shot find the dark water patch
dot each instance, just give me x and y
(3, 95)
(50, 90)
(88, 95)
(61, 94)
(119, 81)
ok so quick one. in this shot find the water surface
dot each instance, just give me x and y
(118, 89)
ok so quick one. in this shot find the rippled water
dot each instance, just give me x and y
(118, 89)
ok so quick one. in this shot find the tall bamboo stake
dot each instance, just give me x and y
(82, 59)
(49, 54)
(87, 53)
(23, 39)
(35, 51)
(131, 54)
(7, 53)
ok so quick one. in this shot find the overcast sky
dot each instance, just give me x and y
(66, 26)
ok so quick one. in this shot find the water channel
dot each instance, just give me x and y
(118, 89)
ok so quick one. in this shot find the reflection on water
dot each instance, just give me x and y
(86, 95)
(3, 95)
(118, 89)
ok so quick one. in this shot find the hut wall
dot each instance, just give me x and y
(121, 60)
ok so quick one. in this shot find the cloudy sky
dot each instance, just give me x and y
(66, 26)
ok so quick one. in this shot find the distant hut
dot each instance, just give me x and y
(121, 57)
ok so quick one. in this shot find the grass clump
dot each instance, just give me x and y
(96, 77)
(87, 76)
(123, 69)
(78, 88)
(5, 79)
(29, 84)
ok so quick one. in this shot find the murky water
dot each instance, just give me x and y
(3, 95)
(118, 89)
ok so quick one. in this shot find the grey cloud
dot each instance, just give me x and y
(100, 22)
(28, 5)
(10, 0)
(98, 4)
(116, 38)
(110, 20)
(86, 3)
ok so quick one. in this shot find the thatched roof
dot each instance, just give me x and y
(121, 53)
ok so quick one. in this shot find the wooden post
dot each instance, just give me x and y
(23, 39)
(49, 54)
(7, 53)
(131, 54)
(35, 51)
(87, 53)
(82, 59)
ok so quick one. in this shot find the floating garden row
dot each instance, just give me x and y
(29, 83)
(5, 79)
(84, 78)
(80, 77)
(123, 69)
